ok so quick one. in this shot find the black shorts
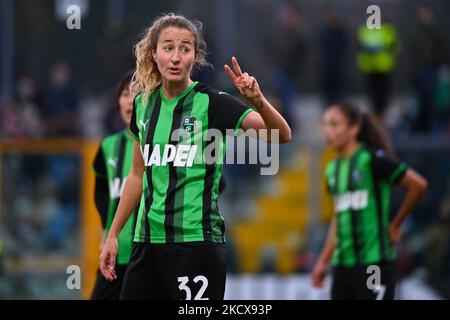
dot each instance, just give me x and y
(109, 290)
(176, 271)
(359, 283)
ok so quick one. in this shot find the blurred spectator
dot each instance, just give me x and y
(376, 60)
(333, 43)
(428, 52)
(442, 100)
(64, 218)
(60, 107)
(42, 199)
(287, 49)
(30, 99)
(21, 119)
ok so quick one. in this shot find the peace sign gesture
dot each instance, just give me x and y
(246, 84)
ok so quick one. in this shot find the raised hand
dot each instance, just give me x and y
(246, 84)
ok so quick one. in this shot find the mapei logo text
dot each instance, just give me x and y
(182, 155)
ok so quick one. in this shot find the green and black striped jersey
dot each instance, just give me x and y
(361, 188)
(113, 163)
(180, 188)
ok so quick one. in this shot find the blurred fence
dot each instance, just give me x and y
(48, 218)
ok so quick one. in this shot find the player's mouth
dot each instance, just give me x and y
(174, 70)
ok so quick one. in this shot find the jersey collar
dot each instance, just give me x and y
(360, 147)
(177, 98)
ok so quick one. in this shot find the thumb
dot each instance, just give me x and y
(103, 263)
(112, 261)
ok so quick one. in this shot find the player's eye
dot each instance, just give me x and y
(185, 49)
(333, 124)
(167, 48)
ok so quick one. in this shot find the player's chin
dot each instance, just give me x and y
(127, 118)
(175, 77)
(330, 143)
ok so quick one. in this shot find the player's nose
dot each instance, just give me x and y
(175, 58)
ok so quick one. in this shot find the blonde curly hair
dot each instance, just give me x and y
(147, 76)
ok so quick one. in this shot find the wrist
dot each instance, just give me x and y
(112, 234)
(395, 224)
(258, 101)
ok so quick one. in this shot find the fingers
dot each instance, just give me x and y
(251, 82)
(107, 263)
(230, 73)
(318, 277)
(317, 281)
(395, 235)
(314, 280)
(248, 81)
(245, 79)
(245, 83)
(112, 264)
(104, 268)
(108, 272)
(236, 66)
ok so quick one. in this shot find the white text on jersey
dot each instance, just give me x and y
(116, 187)
(181, 155)
(356, 200)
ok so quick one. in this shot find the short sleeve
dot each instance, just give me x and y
(228, 112)
(134, 130)
(387, 168)
(99, 164)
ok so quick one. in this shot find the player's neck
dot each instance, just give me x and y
(171, 90)
(349, 148)
(128, 134)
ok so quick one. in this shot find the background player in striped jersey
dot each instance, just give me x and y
(111, 166)
(179, 238)
(360, 180)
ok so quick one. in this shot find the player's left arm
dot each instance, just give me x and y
(415, 186)
(267, 116)
(390, 170)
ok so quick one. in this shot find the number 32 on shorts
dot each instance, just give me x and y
(183, 281)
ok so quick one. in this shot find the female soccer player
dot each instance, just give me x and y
(360, 181)
(112, 165)
(179, 248)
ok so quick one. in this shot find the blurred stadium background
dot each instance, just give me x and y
(57, 101)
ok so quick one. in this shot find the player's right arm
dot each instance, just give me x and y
(321, 266)
(128, 201)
